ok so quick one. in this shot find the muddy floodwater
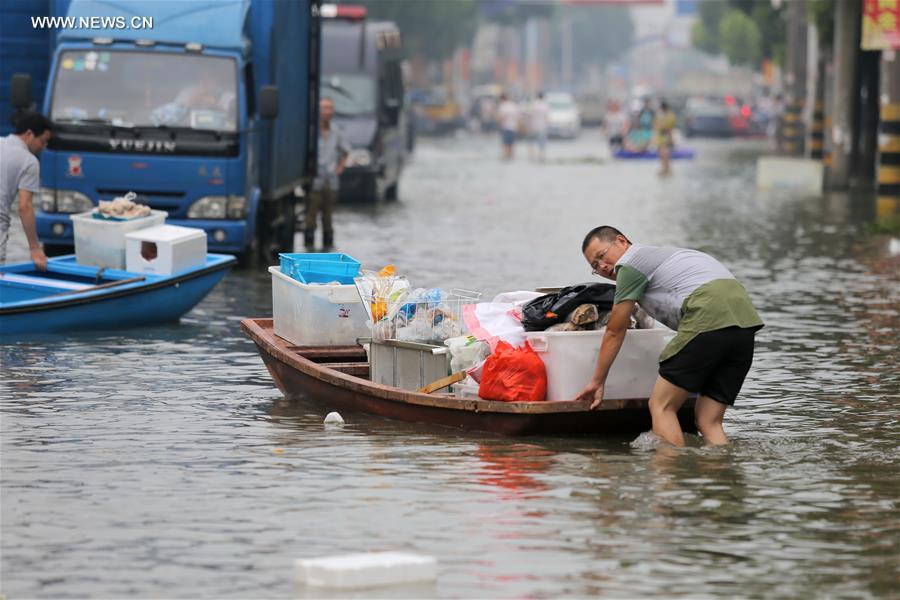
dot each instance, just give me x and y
(162, 462)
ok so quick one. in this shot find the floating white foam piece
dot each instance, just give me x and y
(369, 569)
(796, 174)
(334, 418)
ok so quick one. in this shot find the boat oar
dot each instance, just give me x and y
(442, 383)
(102, 286)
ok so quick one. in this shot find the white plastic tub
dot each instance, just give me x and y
(571, 356)
(101, 242)
(316, 315)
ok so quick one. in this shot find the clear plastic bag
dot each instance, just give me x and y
(383, 293)
(420, 315)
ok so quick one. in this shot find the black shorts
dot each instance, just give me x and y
(713, 364)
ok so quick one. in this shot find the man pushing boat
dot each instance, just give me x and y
(693, 293)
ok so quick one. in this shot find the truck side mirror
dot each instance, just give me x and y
(20, 91)
(268, 101)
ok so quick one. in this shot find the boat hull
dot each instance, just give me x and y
(156, 300)
(298, 378)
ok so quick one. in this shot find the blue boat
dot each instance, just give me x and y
(677, 153)
(68, 296)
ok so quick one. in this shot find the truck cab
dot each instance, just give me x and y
(185, 114)
(361, 73)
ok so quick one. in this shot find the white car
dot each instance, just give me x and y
(564, 118)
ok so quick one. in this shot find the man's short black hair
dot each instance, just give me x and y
(604, 233)
(33, 121)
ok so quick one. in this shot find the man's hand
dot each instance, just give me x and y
(593, 392)
(39, 258)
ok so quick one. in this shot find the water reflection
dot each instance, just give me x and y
(512, 469)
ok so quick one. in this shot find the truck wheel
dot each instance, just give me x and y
(248, 258)
(288, 225)
(275, 230)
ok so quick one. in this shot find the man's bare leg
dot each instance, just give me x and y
(665, 400)
(708, 415)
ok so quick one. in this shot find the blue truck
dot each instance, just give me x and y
(206, 109)
(25, 49)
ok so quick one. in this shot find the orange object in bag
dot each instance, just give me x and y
(513, 375)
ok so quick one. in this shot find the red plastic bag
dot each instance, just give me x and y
(513, 375)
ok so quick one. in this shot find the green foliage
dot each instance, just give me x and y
(430, 29)
(701, 38)
(772, 27)
(505, 12)
(707, 32)
(739, 38)
(821, 12)
(600, 34)
(706, 29)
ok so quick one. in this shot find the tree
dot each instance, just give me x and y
(821, 12)
(600, 34)
(707, 34)
(739, 38)
(514, 12)
(433, 30)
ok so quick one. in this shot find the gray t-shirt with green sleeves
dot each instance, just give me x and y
(686, 290)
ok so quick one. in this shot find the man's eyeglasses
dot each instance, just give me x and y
(599, 258)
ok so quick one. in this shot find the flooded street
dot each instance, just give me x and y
(162, 462)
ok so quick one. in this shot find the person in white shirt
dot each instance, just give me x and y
(615, 124)
(508, 121)
(539, 116)
(20, 179)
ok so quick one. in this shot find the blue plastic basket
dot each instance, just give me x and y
(320, 267)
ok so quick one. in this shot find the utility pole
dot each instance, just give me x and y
(567, 50)
(847, 18)
(889, 137)
(793, 131)
(817, 131)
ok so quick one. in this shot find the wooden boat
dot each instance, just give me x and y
(337, 377)
(68, 296)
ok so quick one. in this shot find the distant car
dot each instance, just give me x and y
(707, 118)
(440, 113)
(564, 118)
(592, 107)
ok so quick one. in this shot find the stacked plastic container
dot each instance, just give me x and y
(308, 312)
(323, 267)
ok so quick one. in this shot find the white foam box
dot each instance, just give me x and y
(571, 356)
(316, 315)
(795, 174)
(371, 569)
(165, 249)
(101, 242)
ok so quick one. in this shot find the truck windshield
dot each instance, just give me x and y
(352, 93)
(145, 89)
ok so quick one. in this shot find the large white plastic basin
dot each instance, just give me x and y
(571, 356)
(316, 315)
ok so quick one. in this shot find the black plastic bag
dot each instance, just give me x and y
(550, 309)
